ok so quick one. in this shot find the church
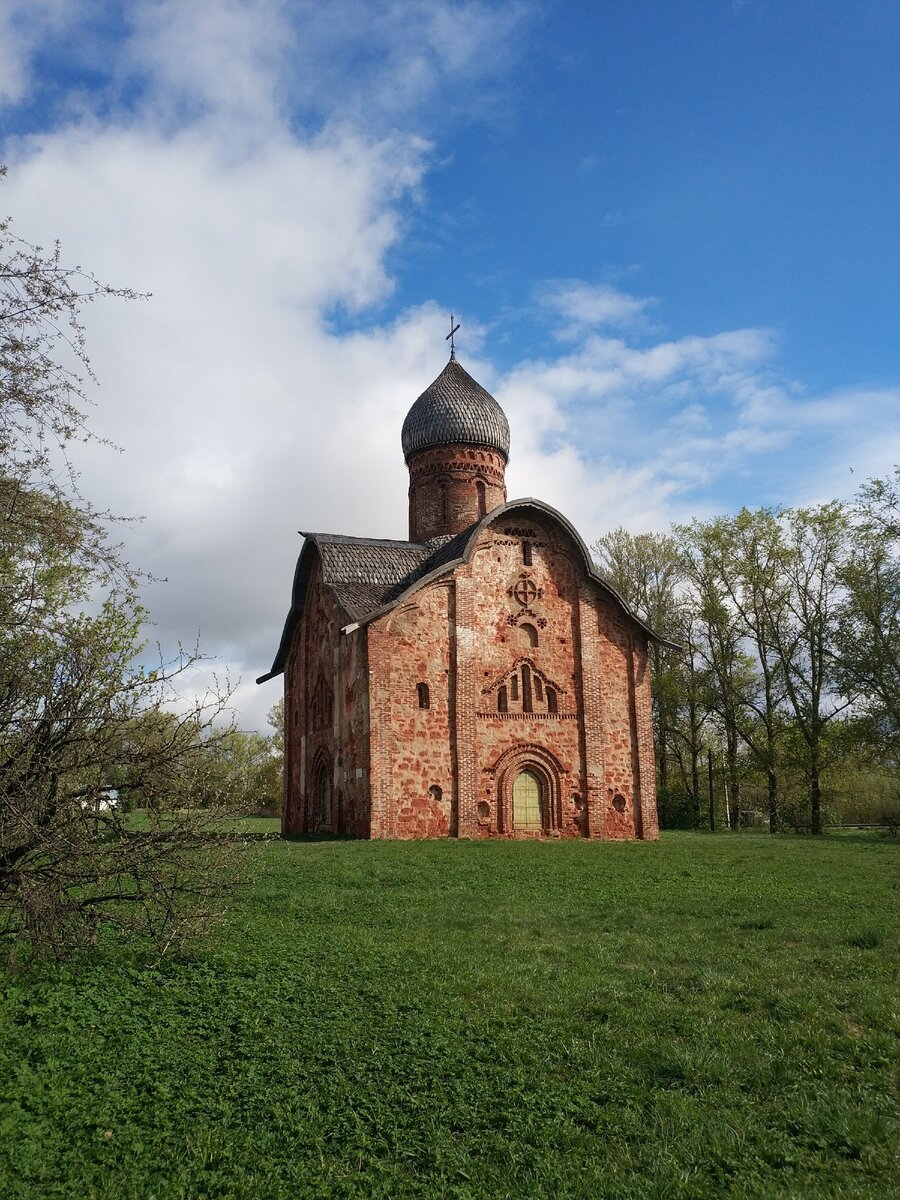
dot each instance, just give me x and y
(478, 680)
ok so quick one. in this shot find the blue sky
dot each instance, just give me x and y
(738, 162)
(670, 232)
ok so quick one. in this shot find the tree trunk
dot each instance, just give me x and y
(772, 780)
(695, 780)
(733, 777)
(815, 797)
(662, 760)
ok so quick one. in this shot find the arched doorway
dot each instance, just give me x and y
(527, 802)
(528, 786)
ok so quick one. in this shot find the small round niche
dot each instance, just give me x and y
(619, 802)
(484, 811)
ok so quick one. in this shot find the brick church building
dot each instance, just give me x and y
(478, 680)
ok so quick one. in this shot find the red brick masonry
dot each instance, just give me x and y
(528, 664)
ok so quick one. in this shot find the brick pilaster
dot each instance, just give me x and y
(464, 717)
(591, 712)
(380, 734)
(643, 727)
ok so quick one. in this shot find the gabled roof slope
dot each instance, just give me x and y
(364, 575)
(370, 576)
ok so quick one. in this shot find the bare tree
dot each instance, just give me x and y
(84, 725)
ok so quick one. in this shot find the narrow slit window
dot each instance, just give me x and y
(538, 687)
(526, 689)
(424, 695)
(482, 503)
(502, 704)
(551, 701)
(526, 553)
(514, 687)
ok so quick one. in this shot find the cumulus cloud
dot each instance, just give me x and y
(252, 165)
(585, 306)
(24, 28)
(640, 434)
(242, 416)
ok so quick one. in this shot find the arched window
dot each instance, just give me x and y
(322, 794)
(538, 687)
(514, 688)
(321, 706)
(424, 695)
(527, 808)
(502, 703)
(526, 688)
(530, 633)
(551, 701)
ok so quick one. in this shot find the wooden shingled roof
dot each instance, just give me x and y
(367, 576)
(455, 410)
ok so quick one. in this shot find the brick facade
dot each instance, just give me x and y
(422, 679)
(449, 485)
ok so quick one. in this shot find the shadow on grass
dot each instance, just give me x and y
(318, 837)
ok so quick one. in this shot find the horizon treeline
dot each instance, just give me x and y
(777, 698)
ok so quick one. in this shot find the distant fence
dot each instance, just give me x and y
(863, 825)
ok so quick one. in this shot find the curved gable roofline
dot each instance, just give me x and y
(379, 565)
(466, 542)
(527, 503)
(302, 572)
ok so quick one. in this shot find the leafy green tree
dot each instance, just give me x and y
(276, 756)
(75, 754)
(720, 647)
(275, 721)
(868, 621)
(242, 772)
(648, 571)
(804, 635)
(745, 554)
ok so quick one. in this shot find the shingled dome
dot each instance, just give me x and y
(455, 410)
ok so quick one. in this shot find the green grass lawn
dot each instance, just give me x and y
(709, 1016)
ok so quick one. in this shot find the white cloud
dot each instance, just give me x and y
(641, 435)
(243, 416)
(23, 28)
(222, 60)
(584, 306)
(377, 64)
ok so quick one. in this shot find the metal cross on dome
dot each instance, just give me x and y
(449, 338)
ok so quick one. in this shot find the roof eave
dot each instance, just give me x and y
(489, 518)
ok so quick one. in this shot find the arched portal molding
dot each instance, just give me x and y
(549, 771)
(320, 803)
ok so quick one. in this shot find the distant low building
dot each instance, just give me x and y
(478, 680)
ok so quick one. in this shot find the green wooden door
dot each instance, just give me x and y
(527, 801)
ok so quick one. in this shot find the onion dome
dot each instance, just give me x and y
(455, 410)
